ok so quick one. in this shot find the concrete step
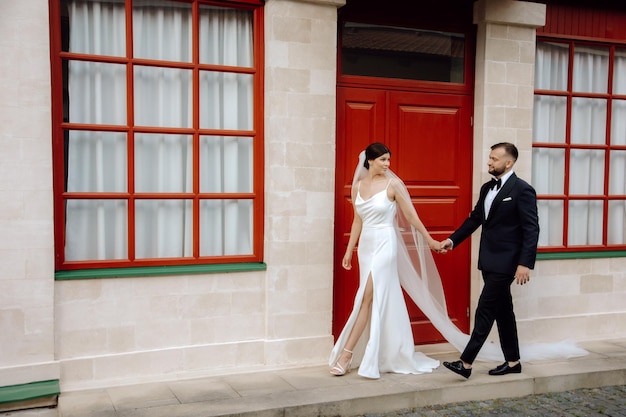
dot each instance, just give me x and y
(314, 392)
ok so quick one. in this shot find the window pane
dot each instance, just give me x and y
(96, 229)
(187, 68)
(397, 52)
(162, 30)
(226, 100)
(548, 176)
(591, 69)
(96, 162)
(226, 164)
(226, 36)
(618, 123)
(585, 222)
(162, 97)
(95, 27)
(226, 227)
(163, 163)
(96, 93)
(550, 222)
(617, 223)
(549, 119)
(617, 169)
(163, 228)
(589, 172)
(619, 71)
(586, 174)
(588, 121)
(551, 66)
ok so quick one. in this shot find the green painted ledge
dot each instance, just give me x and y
(147, 271)
(580, 255)
(30, 391)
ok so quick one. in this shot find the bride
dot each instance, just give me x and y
(385, 267)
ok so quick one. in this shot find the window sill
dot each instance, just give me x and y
(148, 271)
(18, 394)
(546, 256)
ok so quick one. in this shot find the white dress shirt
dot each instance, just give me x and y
(492, 193)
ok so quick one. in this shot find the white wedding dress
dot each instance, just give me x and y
(389, 340)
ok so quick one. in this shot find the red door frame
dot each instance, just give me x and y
(429, 135)
(374, 98)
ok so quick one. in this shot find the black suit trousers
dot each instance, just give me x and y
(495, 304)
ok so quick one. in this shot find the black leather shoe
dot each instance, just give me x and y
(458, 368)
(506, 369)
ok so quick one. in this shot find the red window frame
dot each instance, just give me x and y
(59, 126)
(567, 146)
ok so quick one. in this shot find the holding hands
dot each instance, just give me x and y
(441, 247)
(435, 246)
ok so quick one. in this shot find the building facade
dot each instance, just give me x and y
(261, 289)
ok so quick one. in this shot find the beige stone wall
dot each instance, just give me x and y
(580, 299)
(300, 88)
(26, 228)
(126, 330)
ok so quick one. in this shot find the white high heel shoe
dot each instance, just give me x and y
(339, 370)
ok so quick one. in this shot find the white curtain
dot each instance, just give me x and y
(163, 162)
(588, 127)
(549, 119)
(617, 158)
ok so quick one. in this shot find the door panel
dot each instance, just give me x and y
(430, 139)
(432, 135)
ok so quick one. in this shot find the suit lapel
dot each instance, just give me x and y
(481, 200)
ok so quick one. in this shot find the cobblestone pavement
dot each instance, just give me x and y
(594, 402)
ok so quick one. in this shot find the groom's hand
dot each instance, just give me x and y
(522, 274)
(445, 245)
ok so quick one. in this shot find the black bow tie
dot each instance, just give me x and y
(496, 183)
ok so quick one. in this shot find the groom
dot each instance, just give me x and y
(507, 212)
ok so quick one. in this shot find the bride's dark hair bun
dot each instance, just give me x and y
(373, 151)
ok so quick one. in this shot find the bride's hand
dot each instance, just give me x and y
(435, 246)
(347, 261)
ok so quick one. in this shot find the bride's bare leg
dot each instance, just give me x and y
(364, 315)
(359, 325)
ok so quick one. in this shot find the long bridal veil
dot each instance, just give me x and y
(420, 279)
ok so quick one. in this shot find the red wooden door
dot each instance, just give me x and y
(429, 135)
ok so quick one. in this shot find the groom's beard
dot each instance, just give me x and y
(496, 172)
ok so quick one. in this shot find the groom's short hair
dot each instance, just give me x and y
(509, 148)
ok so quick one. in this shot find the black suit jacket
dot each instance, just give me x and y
(509, 236)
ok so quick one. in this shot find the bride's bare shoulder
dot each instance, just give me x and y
(396, 184)
(395, 181)
(396, 188)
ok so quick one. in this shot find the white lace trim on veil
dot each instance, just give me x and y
(420, 279)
